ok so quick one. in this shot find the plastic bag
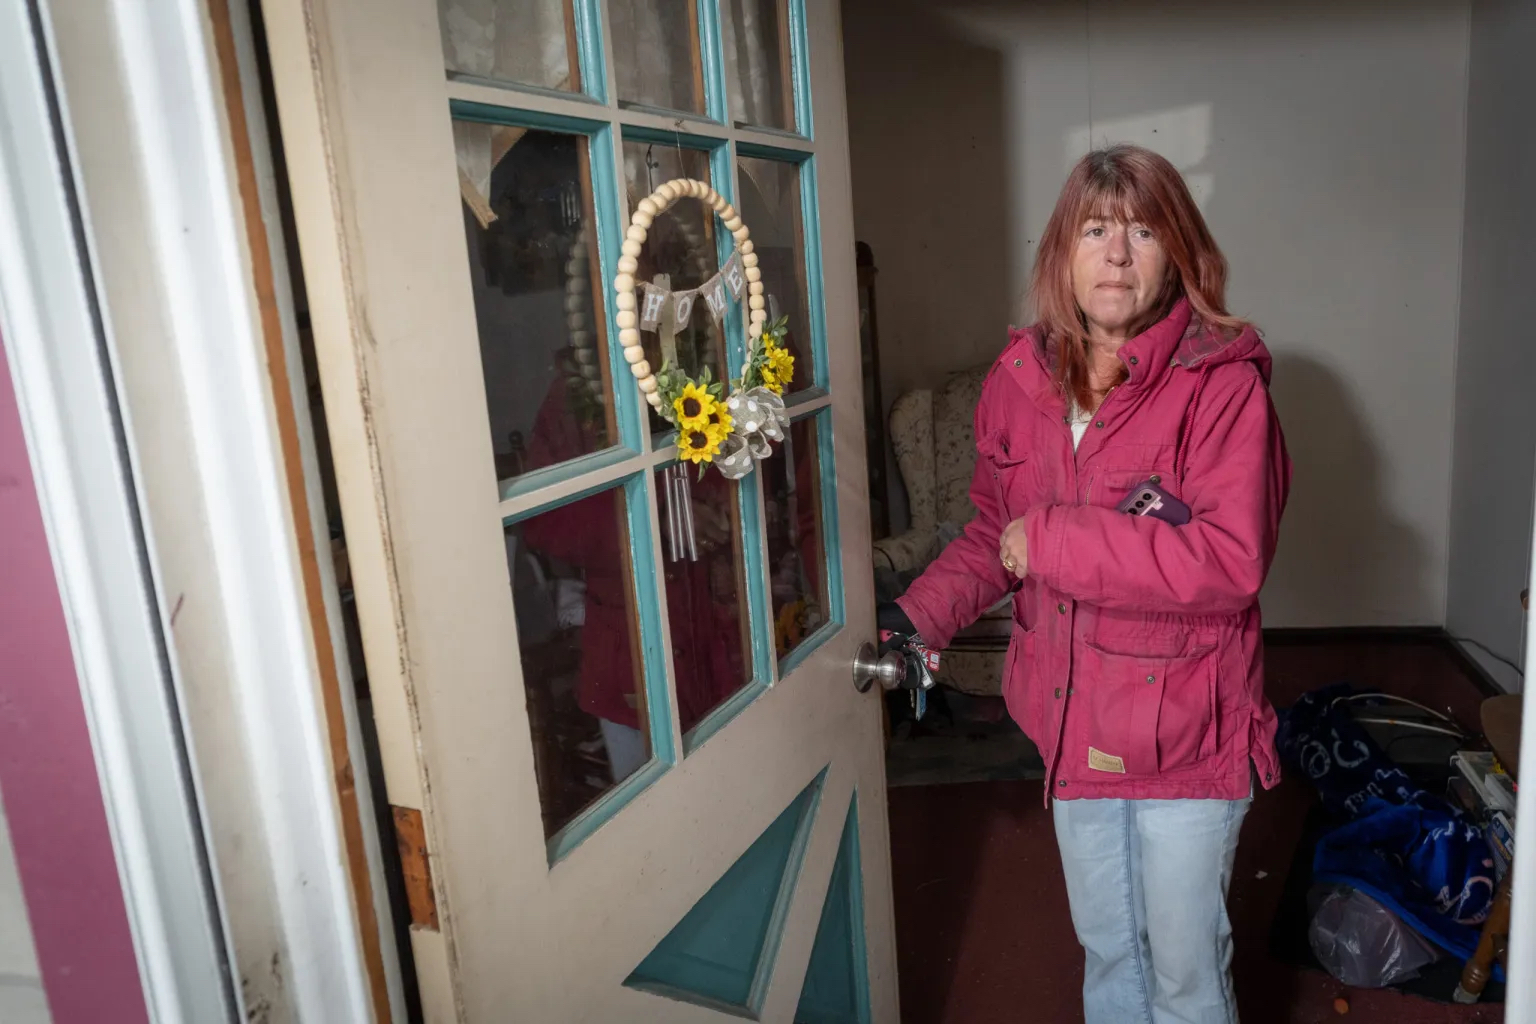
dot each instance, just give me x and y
(1361, 942)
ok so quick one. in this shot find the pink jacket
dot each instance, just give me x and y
(1136, 663)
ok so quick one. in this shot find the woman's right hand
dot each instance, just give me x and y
(890, 617)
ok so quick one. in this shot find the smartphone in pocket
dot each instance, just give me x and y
(1149, 499)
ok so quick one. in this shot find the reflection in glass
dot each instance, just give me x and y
(756, 35)
(582, 668)
(706, 588)
(524, 42)
(681, 248)
(527, 206)
(797, 560)
(770, 206)
(656, 54)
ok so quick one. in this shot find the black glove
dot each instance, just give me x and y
(890, 617)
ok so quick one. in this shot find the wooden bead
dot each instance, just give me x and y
(626, 318)
(728, 214)
(585, 356)
(633, 354)
(718, 202)
(749, 260)
(668, 193)
(759, 316)
(746, 247)
(630, 248)
(755, 285)
(576, 266)
(575, 321)
(740, 234)
(653, 397)
(626, 300)
(636, 233)
(640, 369)
(574, 303)
(624, 283)
(733, 224)
(755, 331)
(711, 197)
(754, 275)
(629, 337)
(648, 385)
(756, 302)
(648, 207)
(580, 338)
(642, 219)
(628, 265)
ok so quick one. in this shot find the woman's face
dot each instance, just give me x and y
(1117, 275)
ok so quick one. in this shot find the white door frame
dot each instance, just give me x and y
(133, 334)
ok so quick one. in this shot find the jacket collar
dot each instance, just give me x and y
(1154, 350)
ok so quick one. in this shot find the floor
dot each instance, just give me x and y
(21, 986)
(983, 930)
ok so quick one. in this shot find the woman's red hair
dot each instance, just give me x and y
(1134, 186)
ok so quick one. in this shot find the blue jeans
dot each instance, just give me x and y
(1147, 880)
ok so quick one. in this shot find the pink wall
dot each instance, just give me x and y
(48, 777)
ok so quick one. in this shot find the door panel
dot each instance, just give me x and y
(595, 725)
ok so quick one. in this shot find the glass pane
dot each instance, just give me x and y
(680, 246)
(580, 639)
(656, 54)
(756, 35)
(797, 559)
(524, 42)
(527, 205)
(770, 207)
(706, 589)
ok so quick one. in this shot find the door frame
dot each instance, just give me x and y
(152, 404)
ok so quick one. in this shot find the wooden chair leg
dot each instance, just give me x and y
(1490, 945)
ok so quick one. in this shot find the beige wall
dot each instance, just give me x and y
(927, 131)
(1325, 142)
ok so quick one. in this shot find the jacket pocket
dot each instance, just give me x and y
(1019, 691)
(1151, 711)
(1015, 476)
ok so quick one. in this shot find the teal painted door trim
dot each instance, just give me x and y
(800, 62)
(836, 987)
(589, 49)
(723, 951)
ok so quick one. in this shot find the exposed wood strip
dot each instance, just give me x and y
(411, 835)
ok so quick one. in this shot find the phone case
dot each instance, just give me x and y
(1149, 499)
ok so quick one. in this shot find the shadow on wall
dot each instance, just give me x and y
(1343, 547)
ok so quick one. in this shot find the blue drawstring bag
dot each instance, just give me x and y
(1400, 844)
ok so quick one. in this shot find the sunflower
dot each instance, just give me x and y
(700, 444)
(782, 362)
(778, 368)
(694, 407)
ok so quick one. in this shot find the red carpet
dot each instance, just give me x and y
(983, 930)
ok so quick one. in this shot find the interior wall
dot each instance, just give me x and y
(927, 134)
(1325, 143)
(1495, 440)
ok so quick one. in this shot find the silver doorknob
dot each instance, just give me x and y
(869, 665)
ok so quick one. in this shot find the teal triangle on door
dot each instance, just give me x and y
(721, 953)
(836, 989)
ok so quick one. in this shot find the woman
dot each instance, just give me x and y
(1135, 664)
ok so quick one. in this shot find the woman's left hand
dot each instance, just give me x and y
(1013, 549)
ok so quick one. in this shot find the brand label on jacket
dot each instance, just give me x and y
(1102, 762)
